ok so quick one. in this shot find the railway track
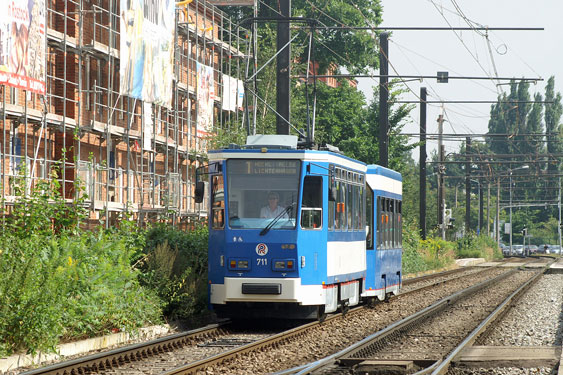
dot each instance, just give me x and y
(440, 330)
(148, 356)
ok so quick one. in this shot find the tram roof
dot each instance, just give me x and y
(306, 155)
(379, 170)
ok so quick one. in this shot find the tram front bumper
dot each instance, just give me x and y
(266, 290)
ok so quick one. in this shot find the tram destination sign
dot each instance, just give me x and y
(265, 167)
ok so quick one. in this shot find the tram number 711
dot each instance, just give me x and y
(261, 262)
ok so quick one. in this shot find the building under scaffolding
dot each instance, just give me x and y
(128, 155)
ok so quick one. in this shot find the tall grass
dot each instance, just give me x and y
(58, 283)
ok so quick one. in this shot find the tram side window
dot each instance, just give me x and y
(218, 203)
(350, 206)
(396, 229)
(359, 208)
(389, 224)
(380, 221)
(385, 223)
(369, 218)
(363, 191)
(392, 226)
(312, 206)
(331, 211)
(341, 217)
(339, 206)
(400, 224)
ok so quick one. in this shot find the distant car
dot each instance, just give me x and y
(531, 249)
(554, 249)
(517, 250)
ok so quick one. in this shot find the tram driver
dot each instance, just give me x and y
(272, 209)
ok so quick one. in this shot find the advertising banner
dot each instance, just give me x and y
(240, 97)
(22, 45)
(229, 100)
(147, 50)
(148, 127)
(205, 96)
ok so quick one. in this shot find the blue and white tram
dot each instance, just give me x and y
(335, 239)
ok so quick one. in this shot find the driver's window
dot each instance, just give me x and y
(218, 202)
(312, 203)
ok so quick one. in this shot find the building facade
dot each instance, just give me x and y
(120, 153)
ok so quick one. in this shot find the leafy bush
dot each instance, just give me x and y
(423, 255)
(58, 285)
(437, 253)
(473, 246)
(174, 265)
(412, 259)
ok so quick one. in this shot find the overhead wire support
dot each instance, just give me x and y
(430, 28)
(420, 77)
(470, 102)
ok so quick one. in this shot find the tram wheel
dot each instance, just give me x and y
(321, 315)
(345, 308)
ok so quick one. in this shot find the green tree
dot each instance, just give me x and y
(353, 49)
(553, 112)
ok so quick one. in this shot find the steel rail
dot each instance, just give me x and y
(131, 352)
(396, 327)
(413, 280)
(109, 358)
(194, 367)
(444, 365)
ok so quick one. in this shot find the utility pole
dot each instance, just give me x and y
(383, 100)
(467, 183)
(498, 213)
(480, 209)
(488, 209)
(422, 163)
(559, 206)
(283, 69)
(510, 212)
(441, 170)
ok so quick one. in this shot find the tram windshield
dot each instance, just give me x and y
(261, 192)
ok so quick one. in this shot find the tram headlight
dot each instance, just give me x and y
(239, 264)
(283, 264)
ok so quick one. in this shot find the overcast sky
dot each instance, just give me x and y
(515, 54)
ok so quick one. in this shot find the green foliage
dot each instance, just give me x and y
(105, 293)
(412, 259)
(423, 255)
(437, 253)
(56, 285)
(352, 49)
(41, 209)
(473, 246)
(174, 265)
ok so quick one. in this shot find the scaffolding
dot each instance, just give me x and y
(84, 130)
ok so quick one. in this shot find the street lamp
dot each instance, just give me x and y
(510, 205)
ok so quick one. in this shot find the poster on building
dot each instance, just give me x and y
(240, 92)
(22, 45)
(147, 50)
(148, 127)
(205, 96)
(229, 99)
